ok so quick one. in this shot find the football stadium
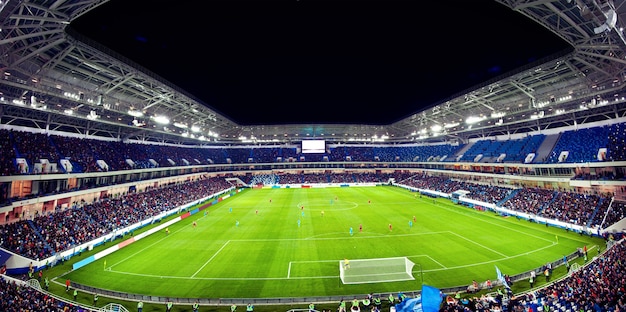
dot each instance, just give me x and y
(121, 190)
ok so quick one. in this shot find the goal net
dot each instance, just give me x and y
(362, 271)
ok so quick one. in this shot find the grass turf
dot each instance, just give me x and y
(267, 254)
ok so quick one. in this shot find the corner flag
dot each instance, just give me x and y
(501, 277)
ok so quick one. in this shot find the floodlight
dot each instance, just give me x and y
(180, 125)
(473, 119)
(135, 113)
(161, 120)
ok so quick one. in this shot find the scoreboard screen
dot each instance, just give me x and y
(313, 146)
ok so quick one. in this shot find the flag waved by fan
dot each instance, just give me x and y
(429, 301)
(501, 278)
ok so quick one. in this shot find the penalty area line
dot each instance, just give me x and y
(207, 262)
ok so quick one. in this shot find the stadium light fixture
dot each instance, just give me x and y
(496, 115)
(135, 113)
(180, 125)
(473, 119)
(93, 115)
(195, 128)
(537, 115)
(161, 120)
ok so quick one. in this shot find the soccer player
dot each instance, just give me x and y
(360, 227)
(322, 213)
(351, 232)
(167, 231)
(410, 224)
(237, 223)
(390, 227)
(346, 264)
(194, 224)
(299, 222)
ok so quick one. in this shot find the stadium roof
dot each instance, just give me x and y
(57, 78)
(312, 61)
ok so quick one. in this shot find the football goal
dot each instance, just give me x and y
(362, 271)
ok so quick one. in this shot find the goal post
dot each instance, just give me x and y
(362, 271)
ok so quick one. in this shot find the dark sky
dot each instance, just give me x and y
(320, 61)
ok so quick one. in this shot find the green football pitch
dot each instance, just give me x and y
(271, 243)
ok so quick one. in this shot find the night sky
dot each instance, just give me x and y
(314, 61)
